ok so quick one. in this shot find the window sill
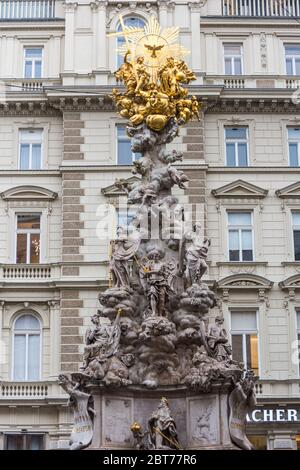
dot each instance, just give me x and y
(290, 263)
(241, 263)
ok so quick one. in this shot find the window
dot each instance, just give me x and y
(233, 59)
(30, 149)
(240, 236)
(245, 339)
(294, 145)
(236, 142)
(133, 22)
(296, 234)
(28, 238)
(292, 59)
(33, 60)
(24, 442)
(124, 154)
(26, 348)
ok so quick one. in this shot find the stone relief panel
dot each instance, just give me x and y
(117, 419)
(203, 421)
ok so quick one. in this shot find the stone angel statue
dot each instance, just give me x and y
(123, 249)
(193, 255)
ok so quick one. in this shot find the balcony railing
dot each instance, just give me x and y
(29, 85)
(27, 9)
(253, 81)
(279, 8)
(39, 390)
(28, 272)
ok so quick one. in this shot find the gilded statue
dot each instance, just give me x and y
(153, 78)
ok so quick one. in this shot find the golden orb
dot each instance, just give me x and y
(135, 427)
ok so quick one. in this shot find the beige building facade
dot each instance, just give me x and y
(61, 148)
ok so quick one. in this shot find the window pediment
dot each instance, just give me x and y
(292, 282)
(114, 190)
(28, 193)
(239, 189)
(245, 281)
(290, 191)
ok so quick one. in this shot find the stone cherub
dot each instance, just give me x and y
(193, 255)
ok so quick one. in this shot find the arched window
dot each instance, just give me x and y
(134, 22)
(26, 348)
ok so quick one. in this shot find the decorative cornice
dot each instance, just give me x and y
(83, 103)
(292, 282)
(28, 193)
(113, 190)
(240, 189)
(248, 105)
(292, 191)
(22, 107)
(245, 281)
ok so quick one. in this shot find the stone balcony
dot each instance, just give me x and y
(30, 10)
(27, 85)
(272, 390)
(28, 272)
(261, 8)
(251, 81)
(30, 391)
(251, 9)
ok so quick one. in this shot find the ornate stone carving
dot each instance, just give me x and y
(241, 401)
(151, 329)
(161, 433)
(82, 404)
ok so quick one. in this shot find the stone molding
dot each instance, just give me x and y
(28, 193)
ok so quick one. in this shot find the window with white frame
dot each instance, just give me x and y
(292, 59)
(296, 234)
(236, 144)
(233, 59)
(124, 154)
(28, 238)
(129, 21)
(30, 149)
(294, 145)
(244, 334)
(240, 236)
(26, 348)
(33, 62)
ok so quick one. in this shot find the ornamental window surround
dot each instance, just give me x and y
(237, 146)
(233, 58)
(240, 236)
(30, 149)
(26, 360)
(33, 62)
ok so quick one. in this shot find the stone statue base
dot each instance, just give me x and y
(202, 419)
